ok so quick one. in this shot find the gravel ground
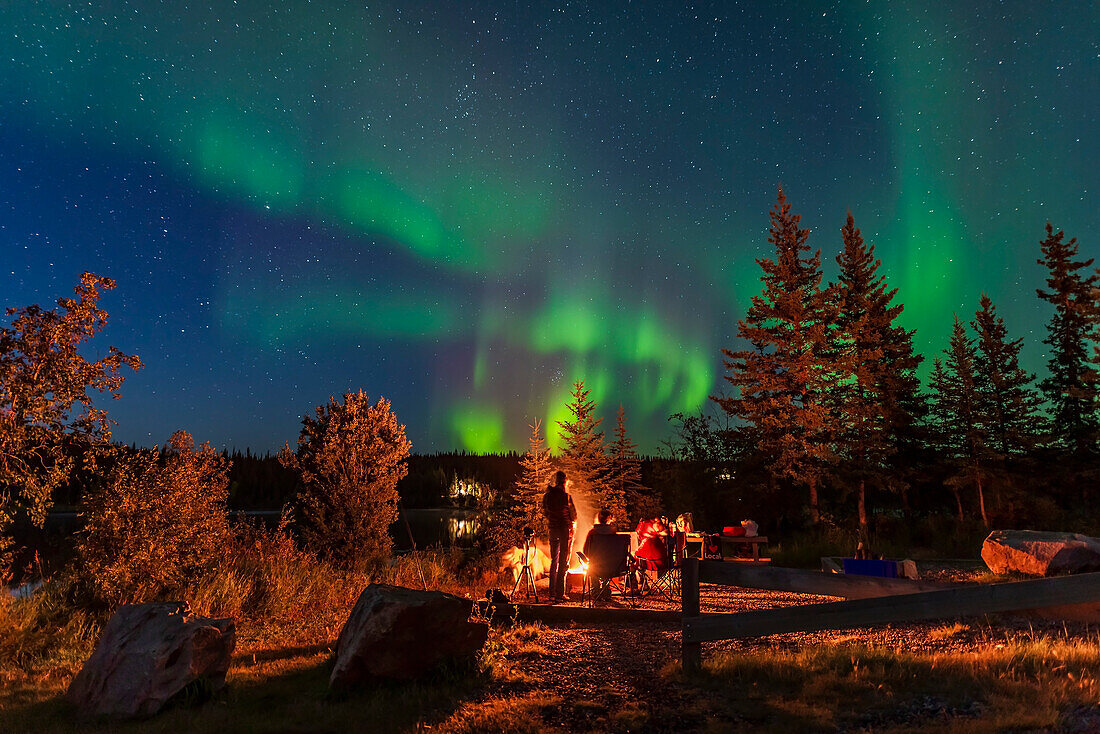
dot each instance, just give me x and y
(606, 668)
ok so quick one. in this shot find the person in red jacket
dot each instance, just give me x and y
(652, 548)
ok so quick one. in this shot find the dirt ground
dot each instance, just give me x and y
(608, 676)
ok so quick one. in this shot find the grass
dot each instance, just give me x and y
(1028, 681)
(286, 690)
(1019, 685)
(289, 609)
(923, 538)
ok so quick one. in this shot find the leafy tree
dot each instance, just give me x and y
(701, 438)
(957, 421)
(784, 376)
(524, 505)
(625, 476)
(583, 456)
(350, 458)
(156, 521)
(1009, 405)
(47, 419)
(1071, 330)
(876, 366)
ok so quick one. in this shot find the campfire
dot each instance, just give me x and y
(574, 578)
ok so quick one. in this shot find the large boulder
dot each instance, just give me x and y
(1040, 553)
(399, 633)
(149, 653)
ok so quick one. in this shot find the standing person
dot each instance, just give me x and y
(561, 516)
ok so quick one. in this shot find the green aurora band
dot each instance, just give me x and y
(512, 243)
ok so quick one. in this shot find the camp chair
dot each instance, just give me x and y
(667, 569)
(610, 565)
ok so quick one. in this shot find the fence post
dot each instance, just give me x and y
(690, 652)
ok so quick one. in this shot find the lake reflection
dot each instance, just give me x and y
(447, 527)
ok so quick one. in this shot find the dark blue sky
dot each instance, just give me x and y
(464, 207)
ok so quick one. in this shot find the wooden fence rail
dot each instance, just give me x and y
(900, 601)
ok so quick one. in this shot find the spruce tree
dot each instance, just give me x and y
(957, 426)
(626, 476)
(876, 366)
(1072, 329)
(1008, 402)
(783, 378)
(523, 506)
(583, 457)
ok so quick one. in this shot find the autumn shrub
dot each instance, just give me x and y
(349, 459)
(155, 521)
(47, 419)
(264, 574)
(266, 578)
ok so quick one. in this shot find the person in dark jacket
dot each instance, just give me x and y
(603, 526)
(561, 517)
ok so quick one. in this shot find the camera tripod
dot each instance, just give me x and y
(526, 574)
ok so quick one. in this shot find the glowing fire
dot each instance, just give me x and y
(574, 578)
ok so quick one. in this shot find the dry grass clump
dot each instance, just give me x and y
(1022, 683)
(520, 714)
(265, 576)
(43, 642)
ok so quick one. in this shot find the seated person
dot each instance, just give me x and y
(652, 548)
(603, 526)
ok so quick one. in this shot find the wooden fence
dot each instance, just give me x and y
(869, 601)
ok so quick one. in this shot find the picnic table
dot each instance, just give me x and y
(694, 546)
(736, 543)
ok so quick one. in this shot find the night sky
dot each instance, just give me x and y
(466, 206)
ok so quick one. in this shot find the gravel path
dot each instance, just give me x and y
(600, 669)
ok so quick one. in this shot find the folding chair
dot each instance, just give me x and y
(609, 565)
(667, 569)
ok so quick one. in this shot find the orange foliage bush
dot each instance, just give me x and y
(46, 414)
(350, 458)
(155, 522)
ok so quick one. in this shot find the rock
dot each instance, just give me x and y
(399, 633)
(147, 654)
(1040, 553)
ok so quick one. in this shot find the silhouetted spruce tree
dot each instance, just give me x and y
(784, 377)
(583, 457)
(1009, 404)
(1071, 331)
(877, 370)
(956, 420)
(625, 477)
(524, 505)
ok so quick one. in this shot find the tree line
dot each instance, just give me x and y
(827, 423)
(827, 399)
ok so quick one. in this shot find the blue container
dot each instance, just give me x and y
(869, 567)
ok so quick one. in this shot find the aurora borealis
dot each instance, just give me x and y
(466, 206)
